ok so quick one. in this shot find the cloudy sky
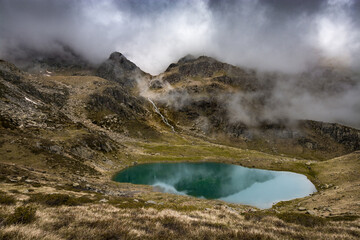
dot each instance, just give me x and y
(265, 34)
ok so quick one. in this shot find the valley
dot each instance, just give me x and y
(66, 130)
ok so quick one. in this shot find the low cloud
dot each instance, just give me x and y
(290, 99)
(270, 35)
(267, 35)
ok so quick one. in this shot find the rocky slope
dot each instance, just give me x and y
(66, 130)
(231, 104)
(191, 94)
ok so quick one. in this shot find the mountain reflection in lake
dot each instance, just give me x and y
(231, 183)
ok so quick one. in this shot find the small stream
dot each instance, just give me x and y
(164, 119)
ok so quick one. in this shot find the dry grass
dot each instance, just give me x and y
(180, 217)
(6, 199)
(339, 180)
(39, 204)
(104, 221)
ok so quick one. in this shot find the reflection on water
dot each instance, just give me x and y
(227, 182)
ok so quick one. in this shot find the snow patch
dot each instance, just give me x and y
(29, 100)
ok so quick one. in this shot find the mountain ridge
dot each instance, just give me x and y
(65, 133)
(204, 111)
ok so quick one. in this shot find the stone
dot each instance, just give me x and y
(119, 69)
(103, 200)
(150, 202)
(156, 84)
(328, 209)
(301, 209)
(230, 209)
(310, 212)
(76, 184)
(55, 149)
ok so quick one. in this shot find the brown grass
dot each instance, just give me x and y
(105, 221)
(21, 215)
(6, 199)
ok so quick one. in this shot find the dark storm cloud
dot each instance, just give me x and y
(268, 35)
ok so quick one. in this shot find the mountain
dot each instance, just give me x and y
(119, 69)
(68, 126)
(208, 90)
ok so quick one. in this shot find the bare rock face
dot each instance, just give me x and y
(26, 103)
(119, 69)
(198, 91)
(207, 67)
(211, 85)
(156, 84)
(347, 136)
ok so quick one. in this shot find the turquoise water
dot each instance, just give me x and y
(231, 183)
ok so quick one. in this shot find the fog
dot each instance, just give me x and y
(267, 35)
(329, 99)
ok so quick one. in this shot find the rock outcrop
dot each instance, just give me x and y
(210, 86)
(119, 69)
(195, 102)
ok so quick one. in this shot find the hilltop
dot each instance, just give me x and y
(68, 126)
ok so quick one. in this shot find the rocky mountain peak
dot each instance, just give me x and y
(187, 58)
(119, 69)
(190, 68)
(121, 59)
(116, 56)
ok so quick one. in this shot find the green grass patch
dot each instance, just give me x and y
(305, 220)
(14, 191)
(22, 215)
(348, 218)
(6, 199)
(312, 173)
(198, 151)
(174, 224)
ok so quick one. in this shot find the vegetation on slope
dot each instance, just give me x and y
(63, 137)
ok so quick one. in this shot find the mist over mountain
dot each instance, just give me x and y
(312, 48)
(98, 98)
(285, 36)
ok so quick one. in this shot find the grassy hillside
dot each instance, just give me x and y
(63, 137)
